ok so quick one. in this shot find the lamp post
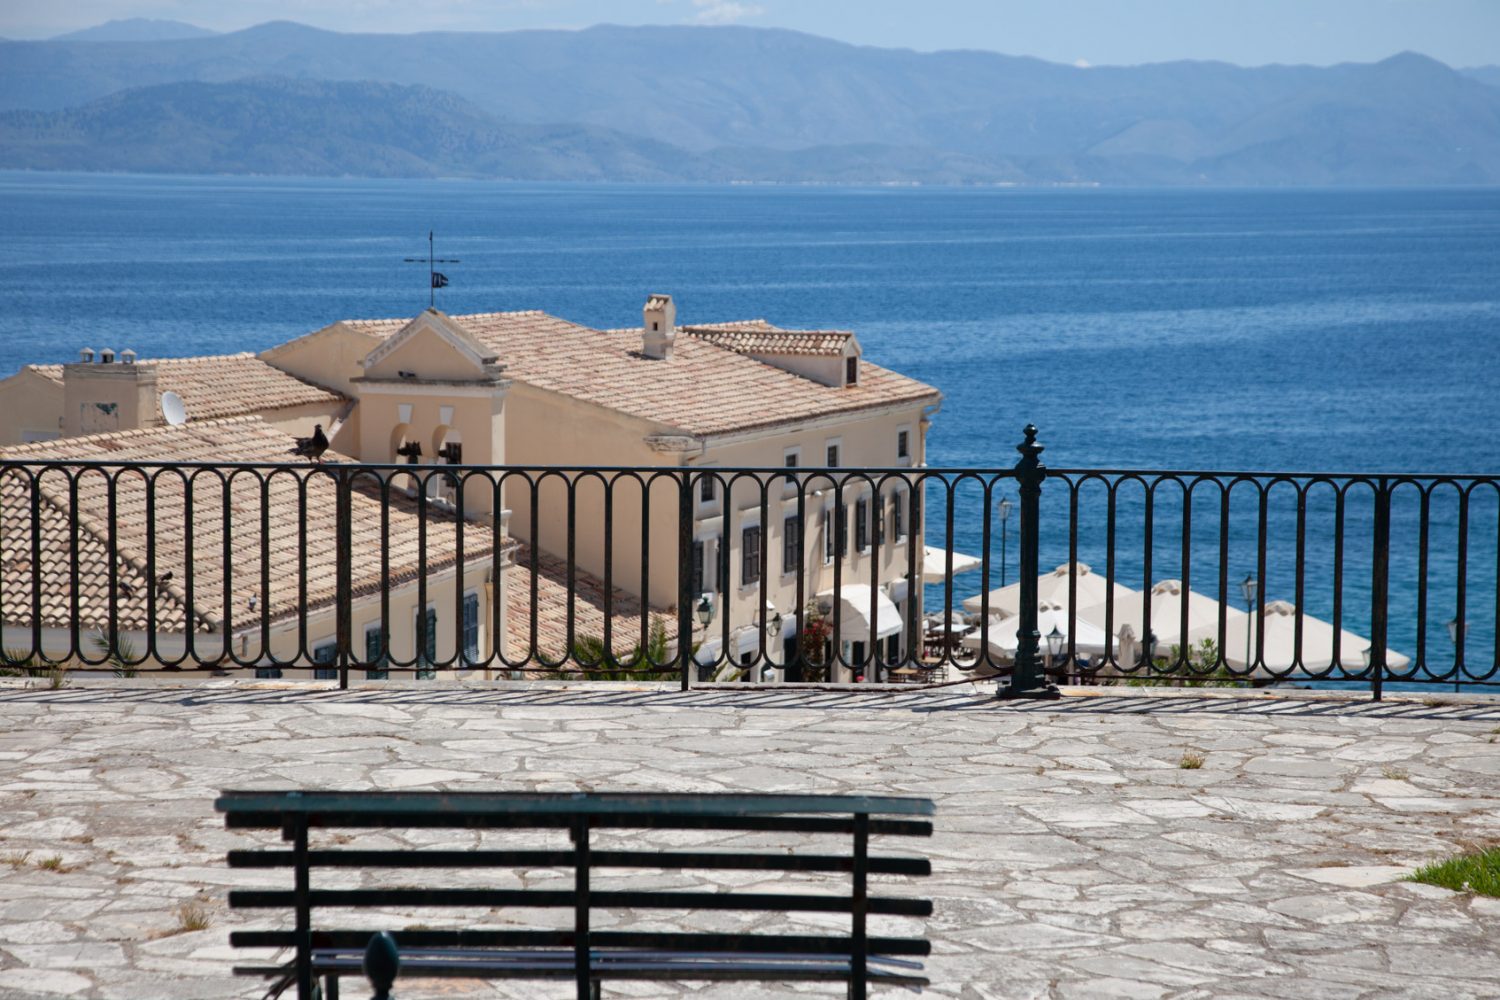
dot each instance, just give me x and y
(1453, 637)
(1249, 587)
(773, 632)
(1005, 506)
(705, 613)
(1054, 646)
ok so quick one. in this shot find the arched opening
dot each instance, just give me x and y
(447, 449)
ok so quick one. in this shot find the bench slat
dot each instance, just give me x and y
(658, 940)
(643, 821)
(637, 899)
(565, 859)
(567, 806)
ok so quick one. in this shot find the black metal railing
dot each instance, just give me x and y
(712, 574)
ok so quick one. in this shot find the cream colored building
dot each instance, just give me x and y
(526, 391)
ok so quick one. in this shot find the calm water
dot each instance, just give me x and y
(1347, 331)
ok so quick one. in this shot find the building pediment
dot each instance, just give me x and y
(433, 347)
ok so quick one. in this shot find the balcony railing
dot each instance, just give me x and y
(355, 572)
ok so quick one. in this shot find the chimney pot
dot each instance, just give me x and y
(127, 357)
(86, 355)
(659, 327)
(107, 356)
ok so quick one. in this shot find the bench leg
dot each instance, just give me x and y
(331, 988)
(597, 992)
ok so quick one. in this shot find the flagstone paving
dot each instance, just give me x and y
(1074, 858)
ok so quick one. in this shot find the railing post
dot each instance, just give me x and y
(685, 577)
(344, 598)
(1028, 679)
(1380, 576)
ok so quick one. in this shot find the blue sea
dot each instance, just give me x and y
(1345, 331)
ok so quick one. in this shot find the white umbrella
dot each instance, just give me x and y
(935, 564)
(1279, 648)
(1004, 636)
(1167, 599)
(955, 620)
(1052, 592)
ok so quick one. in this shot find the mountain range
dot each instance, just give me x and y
(726, 104)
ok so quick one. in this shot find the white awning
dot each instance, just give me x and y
(935, 564)
(854, 613)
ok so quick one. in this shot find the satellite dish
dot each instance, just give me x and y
(173, 409)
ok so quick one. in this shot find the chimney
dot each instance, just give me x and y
(100, 396)
(127, 357)
(659, 328)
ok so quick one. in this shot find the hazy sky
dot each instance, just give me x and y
(1459, 32)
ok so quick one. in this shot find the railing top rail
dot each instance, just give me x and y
(805, 471)
(1271, 473)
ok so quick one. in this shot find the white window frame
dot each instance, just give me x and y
(867, 499)
(790, 569)
(789, 484)
(709, 469)
(910, 456)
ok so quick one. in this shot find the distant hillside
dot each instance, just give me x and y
(760, 104)
(1484, 74)
(136, 29)
(275, 126)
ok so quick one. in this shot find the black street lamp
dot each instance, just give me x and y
(1054, 646)
(1249, 587)
(773, 631)
(1453, 637)
(1005, 506)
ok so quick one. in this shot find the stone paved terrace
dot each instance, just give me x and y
(1074, 857)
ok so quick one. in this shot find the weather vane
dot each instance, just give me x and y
(437, 279)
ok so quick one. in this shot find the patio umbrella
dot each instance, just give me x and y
(935, 564)
(1003, 639)
(1167, 599)
(955, 622)
(1052, 592)
(1279, 649)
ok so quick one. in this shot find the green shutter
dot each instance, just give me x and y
(374, 655)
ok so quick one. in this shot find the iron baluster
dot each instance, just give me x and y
(1379, 582)
(1028, 680)
(684, 578)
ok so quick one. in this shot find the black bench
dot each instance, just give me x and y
(580, 954)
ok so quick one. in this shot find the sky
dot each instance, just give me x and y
(1097, 32)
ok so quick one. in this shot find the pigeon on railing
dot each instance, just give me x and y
(312, 447)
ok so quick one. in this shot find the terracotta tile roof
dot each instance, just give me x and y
(552, 609)
(702, 389)
(225, 385)
(760, 337)
(242, 440)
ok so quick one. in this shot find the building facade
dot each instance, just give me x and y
(548, 400)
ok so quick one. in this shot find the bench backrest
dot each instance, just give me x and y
(297, 813)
